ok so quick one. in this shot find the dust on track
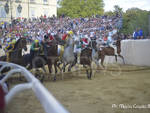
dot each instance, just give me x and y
(80, 95)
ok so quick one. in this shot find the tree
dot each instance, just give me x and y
(135, 18)
(80, 8)
(109, 13)
(118, 10)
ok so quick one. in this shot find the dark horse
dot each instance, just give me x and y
(52, 54)
(16, 55)
(86, 60)
(52, 57)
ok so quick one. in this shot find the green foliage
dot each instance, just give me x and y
(118, 9)
(133, 19)
(80, 8)
(109, 13)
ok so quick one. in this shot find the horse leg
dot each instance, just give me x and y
(90, 76)
(59, 67)
(102, 60)
(55, 66)
(69, 68)
(64, 66)
(50, 68)
(44, 72)
(71, 65)
(58, 63)
(122, 58)
(87, 71)
(97, 63)
(116, 58)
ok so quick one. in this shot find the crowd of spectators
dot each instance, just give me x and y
(98, 27)
(36, 28)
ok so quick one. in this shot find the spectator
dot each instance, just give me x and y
(135, 35)
(140, 32)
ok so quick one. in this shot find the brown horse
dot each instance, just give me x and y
(107, 51)
(52, 54)
(86, 60)
(110, 51)
(16, 55)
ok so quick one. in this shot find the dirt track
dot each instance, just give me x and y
(80, 95)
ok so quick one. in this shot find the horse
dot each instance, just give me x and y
(52, 54)
(37, 60)
(86, 60)
(49, 58)
(16, 54)
(68, 55)
(107, 51)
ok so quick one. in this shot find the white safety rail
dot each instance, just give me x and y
(50, 104)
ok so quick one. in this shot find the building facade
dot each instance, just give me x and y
(27, 9)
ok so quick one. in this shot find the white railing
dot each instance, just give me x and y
(50, 104)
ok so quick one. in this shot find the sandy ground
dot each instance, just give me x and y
(80, 95)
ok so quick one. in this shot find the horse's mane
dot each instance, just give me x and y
(58, 40)
(17, 43)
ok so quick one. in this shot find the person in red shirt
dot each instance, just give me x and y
(51, 37)
(64, 36)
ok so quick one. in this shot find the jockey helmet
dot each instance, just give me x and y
(45, 37)
(36, 41)
(13, 41)
(70, 32)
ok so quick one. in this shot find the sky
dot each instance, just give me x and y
(125, 4)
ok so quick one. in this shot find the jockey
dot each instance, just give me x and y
(109, 41)
(35, 47)
(65, 38)
(86, 40)
(100, 43)
(51, 37)
(9, 48)
(70, 35)
(43, 44)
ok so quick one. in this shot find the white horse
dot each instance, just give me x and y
(68, 55)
